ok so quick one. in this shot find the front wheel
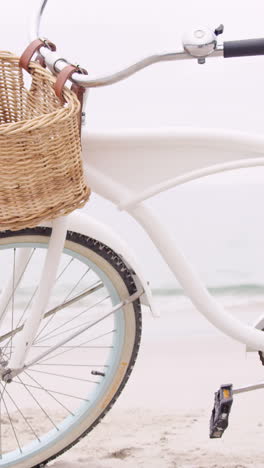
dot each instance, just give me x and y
(61, 396)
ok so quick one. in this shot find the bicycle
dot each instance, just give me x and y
(98, 280)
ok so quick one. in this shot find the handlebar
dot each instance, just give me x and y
(56, 63)
(244, 48)
(199, 44)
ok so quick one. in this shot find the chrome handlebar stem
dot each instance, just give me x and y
(199, 44)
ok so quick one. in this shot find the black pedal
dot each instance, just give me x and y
(221, 410)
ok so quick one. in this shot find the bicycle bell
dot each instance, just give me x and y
(201, 42)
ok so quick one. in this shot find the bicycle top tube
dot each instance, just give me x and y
(198, 44)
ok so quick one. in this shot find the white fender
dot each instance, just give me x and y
(89, 226)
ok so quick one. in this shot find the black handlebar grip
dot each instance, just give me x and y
(244, 48)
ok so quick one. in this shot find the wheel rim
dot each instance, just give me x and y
(76, 419)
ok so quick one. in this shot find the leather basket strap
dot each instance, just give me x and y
(65, 75)
(79, 91)
(32, 48)
(62, 77)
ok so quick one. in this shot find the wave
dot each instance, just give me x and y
(247, 289)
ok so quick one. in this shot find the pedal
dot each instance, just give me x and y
(221, 410)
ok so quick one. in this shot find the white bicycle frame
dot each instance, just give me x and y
(128, 168)
(131, 167)
(172, 158)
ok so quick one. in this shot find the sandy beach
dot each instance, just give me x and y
(161, 420)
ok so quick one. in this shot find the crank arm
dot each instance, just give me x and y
(249, 388)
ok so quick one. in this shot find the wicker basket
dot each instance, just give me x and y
(41, 174)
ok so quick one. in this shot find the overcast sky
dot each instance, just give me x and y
(104, 35)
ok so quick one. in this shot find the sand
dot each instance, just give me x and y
(161, 420)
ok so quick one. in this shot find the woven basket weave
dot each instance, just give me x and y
(41, 174)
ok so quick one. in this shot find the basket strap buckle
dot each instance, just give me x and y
(32, 48)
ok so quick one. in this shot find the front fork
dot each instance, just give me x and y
(22, 341)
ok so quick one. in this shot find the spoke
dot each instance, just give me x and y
(29, 302)
(60, 275)
(71, 365)
(51, 312)
(77, 284)
(2, 393)
(12, 425)
(52, 391)
(64, 269)
(84, 328)
(25, 419)
(77, 346)
(48, 337)
(52, 396)
(21, 276)
(61, 375)
(57, 279)
(89, 291)
(36, 401)
(80, 346)
(13, 300)
(27, 306)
